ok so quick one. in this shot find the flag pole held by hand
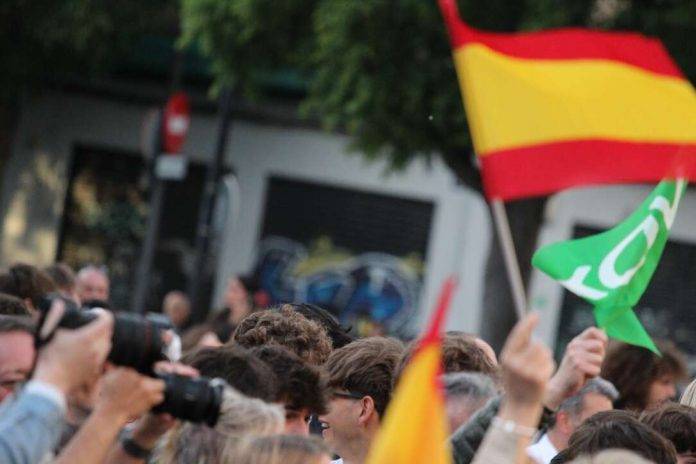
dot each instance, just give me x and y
(512, 266)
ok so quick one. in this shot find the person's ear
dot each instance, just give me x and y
(564, 423)
(367, 411)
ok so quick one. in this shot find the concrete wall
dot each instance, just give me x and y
(35, 184)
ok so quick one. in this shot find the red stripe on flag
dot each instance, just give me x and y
(437, 319)
(544, 169)
(565, 44)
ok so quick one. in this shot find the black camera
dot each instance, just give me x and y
(192, 399)
(136, 342)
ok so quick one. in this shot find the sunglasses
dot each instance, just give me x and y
(348, 395)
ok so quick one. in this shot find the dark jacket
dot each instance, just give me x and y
(467, 438)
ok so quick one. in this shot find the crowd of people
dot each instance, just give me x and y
(82, 383)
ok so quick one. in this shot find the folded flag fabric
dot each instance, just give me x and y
(560, 108)
(414, 430)
(611, 270)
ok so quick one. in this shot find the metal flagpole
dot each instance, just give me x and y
(512, 266)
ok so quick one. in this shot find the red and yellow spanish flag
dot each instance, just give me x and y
(414, 430)
(555, 109)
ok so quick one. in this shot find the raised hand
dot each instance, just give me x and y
(74, 357)
(125, 394)
(582, 360)
(526, 366)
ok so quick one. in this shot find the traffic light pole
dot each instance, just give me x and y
(142, 273)
(207, 206)
(147, 253)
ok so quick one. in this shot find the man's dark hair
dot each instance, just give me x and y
(366, 367)
(617, 430)
(62, 275)
(238, 367)
(287, 328)
(193, 335)
(12, 306)
(675, 422)
(339, 335)
(16, 324)
(633, 369)
(26, 281)
(300, 385)
(460, 353)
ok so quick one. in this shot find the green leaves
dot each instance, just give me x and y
(246, 39)
(42, 39)
(381, 70)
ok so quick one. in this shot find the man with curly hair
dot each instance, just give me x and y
(287, 328)
(301, 387)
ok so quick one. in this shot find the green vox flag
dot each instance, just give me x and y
(611, 270)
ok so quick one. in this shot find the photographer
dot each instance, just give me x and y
(136, 445)
(30, 424)
(123, 395)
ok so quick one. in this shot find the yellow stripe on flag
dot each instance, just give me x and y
(414, 430)
(513, 102)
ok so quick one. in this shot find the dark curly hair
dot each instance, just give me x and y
(300, 385)
(338, 334)
(284, 327)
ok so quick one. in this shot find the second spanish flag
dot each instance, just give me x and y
(554, 109)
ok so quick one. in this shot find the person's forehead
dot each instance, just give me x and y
(595, 399)
(94, 278)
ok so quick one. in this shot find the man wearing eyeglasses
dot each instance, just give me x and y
(361, 377)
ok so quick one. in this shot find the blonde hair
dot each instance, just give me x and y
(240, 417)
(689, 396)
(281, 449)
(612, 457)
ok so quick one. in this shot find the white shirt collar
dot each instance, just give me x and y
(543, 451)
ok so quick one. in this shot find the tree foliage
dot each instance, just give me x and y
(246, 39)
(42, 39)
(381, 70)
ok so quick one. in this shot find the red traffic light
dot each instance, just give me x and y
(175, 124)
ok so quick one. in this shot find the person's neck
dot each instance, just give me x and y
(557, 439)
(356, 451)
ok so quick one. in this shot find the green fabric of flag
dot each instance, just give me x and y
(611, 270)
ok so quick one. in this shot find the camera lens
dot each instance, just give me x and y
(193, 400)
(136, 342)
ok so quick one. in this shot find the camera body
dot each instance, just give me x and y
(137, 343)
(192, 399)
